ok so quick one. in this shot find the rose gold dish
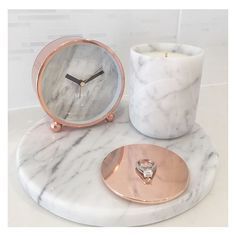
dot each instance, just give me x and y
(43, 59)
(122, 174)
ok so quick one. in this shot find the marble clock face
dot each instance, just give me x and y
(81, 83)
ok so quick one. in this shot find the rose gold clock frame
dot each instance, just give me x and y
(41, 63)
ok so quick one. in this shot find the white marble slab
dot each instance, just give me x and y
(61, 172)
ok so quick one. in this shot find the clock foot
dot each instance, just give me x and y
(110, 117)
(56, 127)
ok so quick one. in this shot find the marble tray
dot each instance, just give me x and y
(61, 172)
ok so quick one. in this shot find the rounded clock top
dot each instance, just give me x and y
(79, 82)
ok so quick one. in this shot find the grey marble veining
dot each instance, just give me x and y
(164, 91)
(65, 99)
(61, 172)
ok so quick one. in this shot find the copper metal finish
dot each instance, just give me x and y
(56, 127)
(120, 175)
(44, 58)
(110, 117)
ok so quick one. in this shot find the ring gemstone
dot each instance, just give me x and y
(146, 169)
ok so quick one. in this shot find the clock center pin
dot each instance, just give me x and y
(82, 84)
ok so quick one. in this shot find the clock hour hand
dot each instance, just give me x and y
(72, 78)
(94, 76)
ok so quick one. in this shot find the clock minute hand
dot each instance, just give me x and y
(94, 76)
(72, 78)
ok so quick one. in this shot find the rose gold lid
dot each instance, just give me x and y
(145, 173)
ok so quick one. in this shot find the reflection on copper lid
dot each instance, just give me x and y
(168, 182)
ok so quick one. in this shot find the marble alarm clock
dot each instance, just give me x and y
(79, 82)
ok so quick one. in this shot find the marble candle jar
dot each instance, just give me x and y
(164, 88)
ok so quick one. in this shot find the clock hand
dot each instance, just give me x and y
(94, 76)
(72, 78)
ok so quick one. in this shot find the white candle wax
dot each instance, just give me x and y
(161, 54)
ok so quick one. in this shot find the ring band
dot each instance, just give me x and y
(146, 169)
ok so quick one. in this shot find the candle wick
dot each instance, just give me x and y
(166, 54)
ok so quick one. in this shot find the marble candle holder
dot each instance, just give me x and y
(164, 88)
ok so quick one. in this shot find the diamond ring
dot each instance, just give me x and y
(146, 169)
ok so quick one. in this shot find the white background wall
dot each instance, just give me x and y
(30, 30)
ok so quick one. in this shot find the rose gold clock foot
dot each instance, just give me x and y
(56, 127)
(110, 117)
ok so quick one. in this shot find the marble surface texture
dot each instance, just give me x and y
(65, 99)
(164, 91)
(61, 172)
